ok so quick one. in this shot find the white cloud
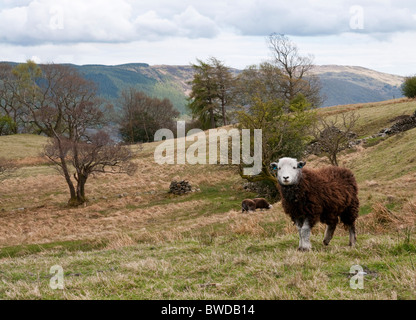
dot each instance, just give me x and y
(178, 32)
(194, 25)
(43, 21)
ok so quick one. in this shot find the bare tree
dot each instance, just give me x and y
(63, 105)
(142, 116)
(296, 69)
(78, 160)
(334, 134)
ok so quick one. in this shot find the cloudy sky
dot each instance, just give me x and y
(375, 34)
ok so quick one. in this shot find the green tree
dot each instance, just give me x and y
(284, 132)
(211, 92)
(409, 87)
(7, 125)
(12, 111)
(225, 84)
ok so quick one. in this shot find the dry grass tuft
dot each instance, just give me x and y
(249, 225)
(383, 220)
(120, 241)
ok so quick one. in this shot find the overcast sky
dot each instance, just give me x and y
(380, 34)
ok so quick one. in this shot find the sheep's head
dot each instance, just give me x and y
(289, 170)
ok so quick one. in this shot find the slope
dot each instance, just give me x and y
(135, 241)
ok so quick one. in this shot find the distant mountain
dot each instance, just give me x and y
(156, 81)
(340, 84)
(348, 85)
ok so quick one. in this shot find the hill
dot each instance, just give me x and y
(134, 240)
(349, 85)
(340, 84)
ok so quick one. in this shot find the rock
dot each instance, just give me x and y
(180, 187)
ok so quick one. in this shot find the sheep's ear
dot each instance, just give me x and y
(273, 166)
(301, 164)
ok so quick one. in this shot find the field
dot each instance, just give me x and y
(134, 240)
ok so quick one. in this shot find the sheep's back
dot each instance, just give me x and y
(328, 190)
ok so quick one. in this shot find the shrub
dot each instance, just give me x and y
(7, 126)
(409, 87)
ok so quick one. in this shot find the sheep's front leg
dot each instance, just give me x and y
(304, 236)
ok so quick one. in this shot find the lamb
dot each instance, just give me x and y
(248, 205)
(262, 203)
(328, 194)
(257, 203)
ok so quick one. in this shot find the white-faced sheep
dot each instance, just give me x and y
(257, 203)
(328, 194)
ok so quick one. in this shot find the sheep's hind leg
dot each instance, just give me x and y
(329, 233)
(353, 236)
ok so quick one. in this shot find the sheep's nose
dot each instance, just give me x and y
(285, 178)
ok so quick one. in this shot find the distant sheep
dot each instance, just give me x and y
(262, 203)
(248, 205)
(257, 203)
(327, 194)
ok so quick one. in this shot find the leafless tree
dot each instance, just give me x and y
(142, 116)
(63, 105)
(296, 69)
(78, 160)
(333, 134)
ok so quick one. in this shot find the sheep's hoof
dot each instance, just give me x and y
(302, 249)
(325, 242)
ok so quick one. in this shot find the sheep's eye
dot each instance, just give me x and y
(279, 168)
(294, 168)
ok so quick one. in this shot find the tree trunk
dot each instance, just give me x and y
(65, 169)
(212, 119)
(223, 111)
(79, 197)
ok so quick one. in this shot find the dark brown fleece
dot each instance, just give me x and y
(261, 203)
(327, 195)
(248, 205)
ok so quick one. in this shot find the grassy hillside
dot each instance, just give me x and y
(134, 240)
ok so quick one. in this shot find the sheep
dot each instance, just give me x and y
(248, 205)
(257, 203)
(327, 194)
(262, 203)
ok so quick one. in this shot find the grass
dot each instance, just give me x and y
(29, 146)
(239, 267)
(149, 244)
(374, 116)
